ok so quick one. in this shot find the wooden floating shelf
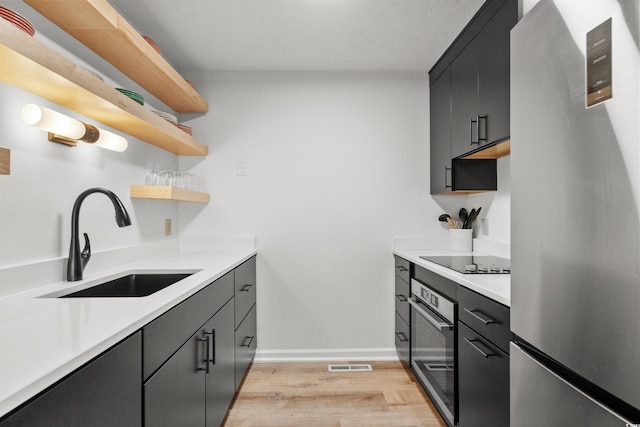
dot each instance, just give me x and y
(97, 25)
(5, 163)
(158, 192)
(28, 64)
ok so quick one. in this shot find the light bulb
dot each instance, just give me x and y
(52, 121)
(111, 141)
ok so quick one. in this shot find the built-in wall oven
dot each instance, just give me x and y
(433, 347)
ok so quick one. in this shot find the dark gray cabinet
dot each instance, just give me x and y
(473, 113)
(195, 384)
(182, 368)
(494, 74)
(480, 85)
(104, 392)
(402, 314)
(440, 134)
(245, 318)
(464, 101)
(483, 362)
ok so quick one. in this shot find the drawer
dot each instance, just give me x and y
(163, 336)
(402, 268)
(485, 316)
(440, 284)
(245, 289)
(403, 334)
(402, 298)
(245, 343)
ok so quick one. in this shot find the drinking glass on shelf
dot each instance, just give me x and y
(182, 179)
(153, 177)
(170, 178)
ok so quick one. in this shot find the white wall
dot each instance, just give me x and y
(337, 166)
(36, 199)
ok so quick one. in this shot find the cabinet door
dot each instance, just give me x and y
(464, 100)
(246, 341)
(493, 73)
(440, 134)
(483, 378)
(220, 381)
(175, 393)
(105, 392)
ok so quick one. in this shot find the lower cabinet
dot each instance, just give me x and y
(104, 392)
(196, 385)
(483, 377)
(181, 369)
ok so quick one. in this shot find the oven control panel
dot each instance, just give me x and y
(430, 298)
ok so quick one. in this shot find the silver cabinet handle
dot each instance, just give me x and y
(402, 298)
(478, 349)
(402, 337)
(445, 177)
(402, 268)
(247, 344)
(246, 288)
(435, 322)
(486, 320)
(207, 345)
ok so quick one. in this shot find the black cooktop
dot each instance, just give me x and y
(473, 264)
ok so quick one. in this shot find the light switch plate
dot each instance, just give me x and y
(241, 168)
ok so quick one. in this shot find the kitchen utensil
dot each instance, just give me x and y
(452, 222)
(443, 217)
(463, 214)
(469, 222)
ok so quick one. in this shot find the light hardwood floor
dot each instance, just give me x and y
(307, 395)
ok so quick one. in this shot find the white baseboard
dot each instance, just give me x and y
(331, 355)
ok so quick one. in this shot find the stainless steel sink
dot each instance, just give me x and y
(131, 285)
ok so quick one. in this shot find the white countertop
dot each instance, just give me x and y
(494, 286)
(44, 339)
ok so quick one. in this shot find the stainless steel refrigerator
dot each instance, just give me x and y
(575, 195)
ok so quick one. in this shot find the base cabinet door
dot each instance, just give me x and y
(105, 392)
(483, 381)
(220, 381)
(196, 385)
(175, 394)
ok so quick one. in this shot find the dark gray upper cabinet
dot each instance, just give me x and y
(480, 85)
(494, 74)
(469, 89)
(464, 101)
(440, 134)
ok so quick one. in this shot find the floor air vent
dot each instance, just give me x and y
(350, 368)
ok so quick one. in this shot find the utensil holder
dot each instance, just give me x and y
(461, 240)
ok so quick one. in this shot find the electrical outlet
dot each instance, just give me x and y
(167, 227)
(485, 226)
(241, 167)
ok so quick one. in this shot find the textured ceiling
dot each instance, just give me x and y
(300, 35)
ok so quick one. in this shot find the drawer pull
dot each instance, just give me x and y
(401, 268)
(207, 345)
(249, 343)
(471, 343)
(401, 298)
(402, 337)
(486, 320)
(246, 288)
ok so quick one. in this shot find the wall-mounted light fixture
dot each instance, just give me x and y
(65, 130)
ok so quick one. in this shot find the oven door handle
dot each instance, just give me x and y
(442, 326)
